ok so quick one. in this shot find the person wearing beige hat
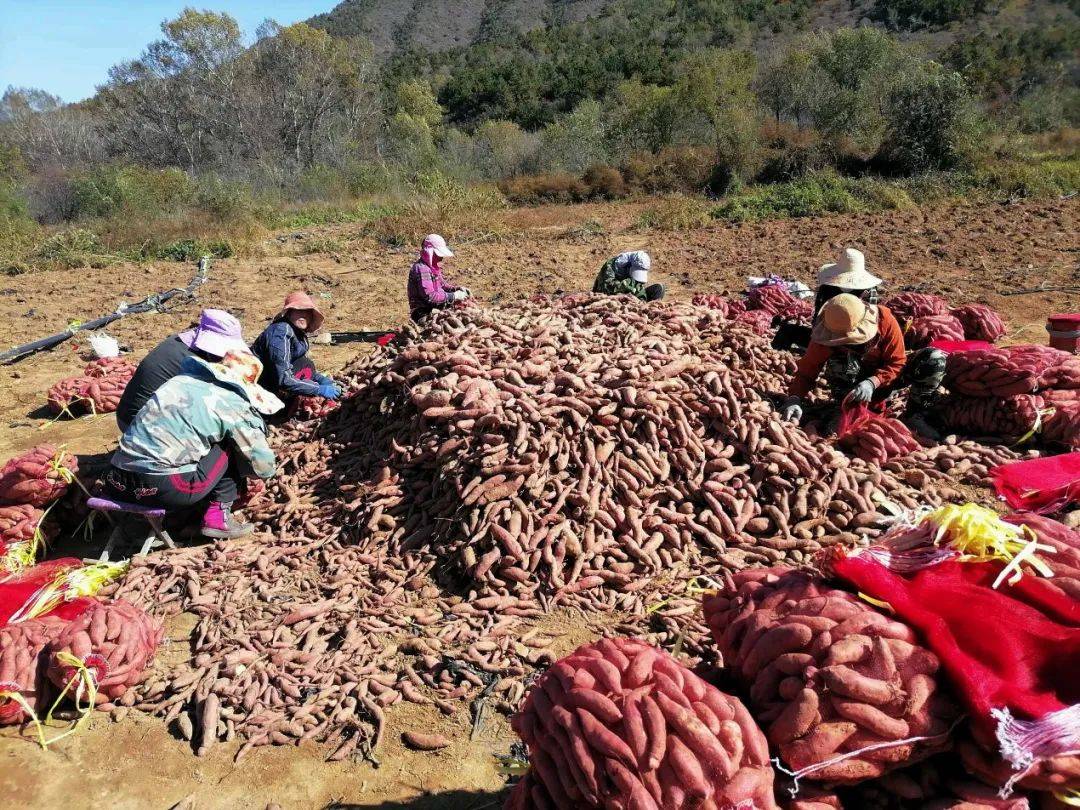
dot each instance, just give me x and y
(848, 274)
(288, 371)
(859, 346)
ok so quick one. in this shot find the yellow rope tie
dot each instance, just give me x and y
(1037, 427)
(86, 683)
(24, 704)
(979, 535)
(1070, 797)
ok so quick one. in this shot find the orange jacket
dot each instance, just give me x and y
(883, 359)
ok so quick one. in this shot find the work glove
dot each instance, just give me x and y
(328, 390)
(321, 379)
(792, 409)
(460, 295)
(861, 393)
(467, 291)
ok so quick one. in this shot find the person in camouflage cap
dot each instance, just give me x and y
(195, 439)
(628, 274)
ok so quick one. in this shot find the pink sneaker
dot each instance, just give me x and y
(219, 523)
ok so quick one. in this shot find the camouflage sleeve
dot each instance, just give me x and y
(249, 435)
(609, 283)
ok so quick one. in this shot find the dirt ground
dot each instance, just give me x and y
(967, 253)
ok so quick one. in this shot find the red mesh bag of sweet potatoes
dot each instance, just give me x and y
(22, 667)
(621, 724)
(980, 322)
(923, 331)
(759, 320)
(104, 651)
(843, 692)
(38, 476)
(993, 373)
(907, 306)
(874, 437)
(1003, 417)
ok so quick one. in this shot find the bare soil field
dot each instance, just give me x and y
(967, 253)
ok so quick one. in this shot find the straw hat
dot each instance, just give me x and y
(848, 272)
(302, 301)
(845, 320)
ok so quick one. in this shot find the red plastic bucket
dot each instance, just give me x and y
(1064, 331)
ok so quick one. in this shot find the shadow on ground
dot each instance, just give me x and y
(450, 800)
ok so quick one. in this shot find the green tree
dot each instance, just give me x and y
(643, 117)
(718, 107)
(577, 140)
(931, 120)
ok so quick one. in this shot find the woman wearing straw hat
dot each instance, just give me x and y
(860, 349)
(195, 439)
(288, 371)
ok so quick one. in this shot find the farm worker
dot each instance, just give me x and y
(216, 334)
(282, 348)
(860, 349)
(428, 289)
(194, 440)
(628, 274)
(848, 274)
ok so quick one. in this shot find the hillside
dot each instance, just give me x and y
(437, 24)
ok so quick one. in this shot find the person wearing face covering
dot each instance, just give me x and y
(628, 274)
(288, 371)
(428, 289)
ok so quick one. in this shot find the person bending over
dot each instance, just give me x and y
(195, 439)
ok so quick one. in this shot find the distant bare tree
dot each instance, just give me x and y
(47, 133)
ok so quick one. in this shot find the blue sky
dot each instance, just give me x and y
(67, 46)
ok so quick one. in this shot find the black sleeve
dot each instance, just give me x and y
(156, 369)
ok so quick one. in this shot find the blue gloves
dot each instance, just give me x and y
(328, 390)
(861, 393)
(321, 379)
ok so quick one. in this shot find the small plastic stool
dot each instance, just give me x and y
(157, 536)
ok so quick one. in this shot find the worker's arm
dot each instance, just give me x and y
(280, 342)
(248, 433)
(808, 369)
(893, 355)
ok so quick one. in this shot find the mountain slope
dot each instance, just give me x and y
(437, 24)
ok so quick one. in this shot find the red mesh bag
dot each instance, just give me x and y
(70, 396)
(712, 301)
(19, 523)
(936, 784)
(1055, 774)
(907, 306)
(1059, 369)
(1003, 417)
(113, 642)
(775, 299)
(829, 676)
(759, 320)
(736, 306)
(1062, 427)
(38, 477)
(117, 367)
(1065, 561)
(19, 591)
(621, 724)
(105, 393)
(22, 667)
(874, 437)
(993, 373)
(1061, 397)
(924, 330)
(980, 322)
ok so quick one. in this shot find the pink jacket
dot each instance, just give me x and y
(428, 289)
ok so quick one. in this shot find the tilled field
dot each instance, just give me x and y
(510, 483)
